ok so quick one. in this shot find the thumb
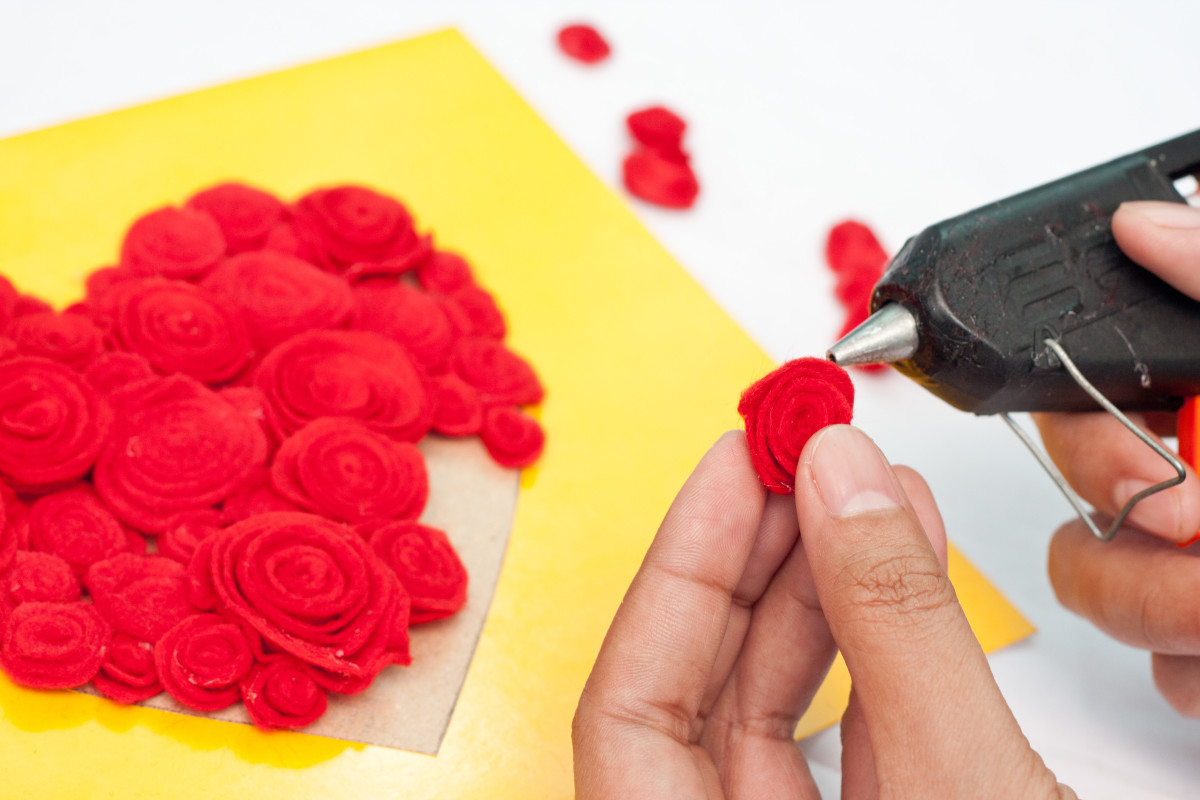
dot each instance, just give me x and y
(936, 720)
(1164, 238)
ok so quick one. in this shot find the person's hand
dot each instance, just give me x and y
(733, 620)
(1141, 587)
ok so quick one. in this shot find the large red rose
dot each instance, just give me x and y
(344, 225)
(174, 243)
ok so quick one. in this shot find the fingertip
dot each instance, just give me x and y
(920, 497)
(1164, 238)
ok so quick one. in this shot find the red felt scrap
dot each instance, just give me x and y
(660, 178)
(342, 469)
(128, 674)
(111, 371)
(53, 424)
(427, 565)
(179, 540)
(140, 595)
(481, 311)
(583, 43)
(70, 338)
(245, 214)
(445, 273)
(410, 317)
(75, 525)
(173, 243)
(38, 577)
(785, 408)
(499, 375)
(283, 694)
(345, 225)
(457, 406)
(512, 437)
(201, 660)
(53, 645)
(658, 128)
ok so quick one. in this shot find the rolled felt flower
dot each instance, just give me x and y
(69, 338)
(457, 407)
(499, 375)
(76, 526)
(445, 273)
(481, 311)
(179, 540)
(280, 296)
(410, 317)
(344, 225)
(178, 447)
(109, 372)
(512, 437)
(38, 577)
(393, 267)
(53, 645)
(53, 424)
(245, 214)
(140, 595)
(173, 243)
(785, 408)
(201, 660)
(283, 694)
(344, 470)
(8, 302)
(354, 374)
(427, 565)
(310, 587)
(128, 673)
(253, 496)
(181, 328)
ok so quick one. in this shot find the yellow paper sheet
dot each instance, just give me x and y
(643, 372)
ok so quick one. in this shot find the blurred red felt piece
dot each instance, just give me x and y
(445, 273)
(9, 298)
(410, 317)
(76, 526)
(173, 243)
(71, 339)
(499, 375)
(427, 565)
(111, 371)
(512, 437)
(344, 225)
(53, 645)
(283, 694)
(481, 312)
(245, 214)
(658, 128)
(660, 179)
(31, 304)
(457, 406)
(583, 43)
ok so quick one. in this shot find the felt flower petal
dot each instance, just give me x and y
(38, 577)
(458, 408)
(445, 273)
(344, 225)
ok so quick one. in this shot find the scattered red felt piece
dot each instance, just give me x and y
(513, 438)
(499, 375)
(342, 469)
(785, 408)
(140, 595)
(458, 408)
(427, 565)
(53, 645)
(409, 317)
(345, 225)
(283, 694)
(173, 243)
(658, 128)
(128, 674)
(76, 526)
(8, 348)
(445, 273)
(583, 43)
(244, 214)
(201, 659)
(658, 179)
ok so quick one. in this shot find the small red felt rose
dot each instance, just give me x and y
(128, 674)
(75, 526)
(173, 243)
(38, 577)
(8, 302)
(345, 225)
(344, 470)
(53, 645)
(499, 375)
(785, 408)
(109, 372)
(354, 374)
(393, 267)
(445, 273)
(69, 338)
(139, 595)
(457, 407)
(179, 540)
(283, 694)
(245, 214)
(53, 424)
(660, 179)
(201, 660)
(512, 437)
(427, 566)
(583, 43)
(409, 317)
(481, 311)
(657, 127)
(254, 496)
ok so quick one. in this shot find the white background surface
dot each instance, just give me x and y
(801, 113)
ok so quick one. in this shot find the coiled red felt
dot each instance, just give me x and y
(111, 371)
(53, 645)
(513, 438)
(178, 447)
(785, 408)
(344, 225)
(53, 424)
(139, 595)
(38, 577)
(583, 43)
(244, 214)
(445, 273)
(344, 470)
(480, 309)
(499, 375)
(128, 674)
(76, 526)
(181, 328)
(458, 409)
(310, 587)
(410, 317)
(427, 565)
(283, 694)
(354, 374)
(173, 243)
(279, 296)
(70, 338)
(201, 659)
(8, 301)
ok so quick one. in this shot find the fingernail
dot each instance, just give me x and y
(1159, 513)
(1166, 215)
(852, 476)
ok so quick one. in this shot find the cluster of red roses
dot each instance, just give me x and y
(245, 391)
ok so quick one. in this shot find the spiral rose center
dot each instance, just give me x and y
(34, 420)
(305, 572)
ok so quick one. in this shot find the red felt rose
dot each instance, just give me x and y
(53, 424)
(785, 408)
(392, 267)
(657, 127)
(427, 566)
(142, 596)
(69, 338)
(445, 273)
(177, 447)
(583, 43)
(310, 587)
(499, 375)
(128, 674)
(283, 694)
(279, 296)
(344, 470)
(354, 374)
(254, 496)
(14, 526)
(513, 438)
(481, 311)
(410, 317)
(245, 214)
(109, 372)
(201, 659)
(173, 243)
(181, 328)
(344, 225)
(179, 540)
(75, 526)
(457, 407)
(852, 246)
(660, 178)
(38, 577)
(53, 645)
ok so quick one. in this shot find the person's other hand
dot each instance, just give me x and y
(1141, 587)
(733, 620)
